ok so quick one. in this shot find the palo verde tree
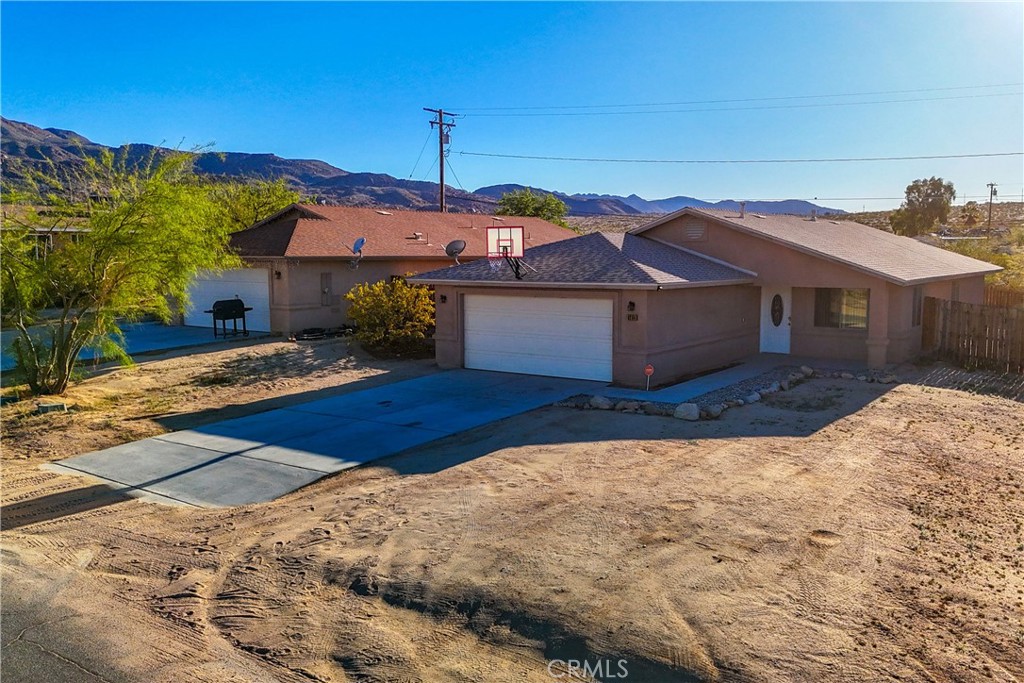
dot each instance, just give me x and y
(526, 203)
(247, 203)
(111, 240)
(927, 202)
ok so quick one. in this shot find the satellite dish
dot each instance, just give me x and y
(357, 248)
(454, 248)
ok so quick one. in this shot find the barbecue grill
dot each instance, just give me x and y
(229, 309)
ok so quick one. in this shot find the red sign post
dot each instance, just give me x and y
(649, 370)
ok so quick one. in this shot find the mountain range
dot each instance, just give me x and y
(23, 146)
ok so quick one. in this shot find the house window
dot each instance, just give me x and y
(918, 304)
(844, 308)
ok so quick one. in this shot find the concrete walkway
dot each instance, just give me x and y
(261, 457)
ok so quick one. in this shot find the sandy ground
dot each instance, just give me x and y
(841, 531)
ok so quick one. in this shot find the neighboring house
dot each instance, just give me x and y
(697, 290)
(300, 262)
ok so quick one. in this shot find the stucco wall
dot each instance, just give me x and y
(693, 330)
(296, 303)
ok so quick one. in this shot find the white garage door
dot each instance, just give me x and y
(251, 285)
(539, 336)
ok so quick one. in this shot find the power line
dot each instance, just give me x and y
(420, 155)
(738, 161)
(429, 169)
(758, 108)
(452, 169)
(747, 99)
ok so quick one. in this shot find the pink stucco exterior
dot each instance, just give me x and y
(890, 338)
(297, 301)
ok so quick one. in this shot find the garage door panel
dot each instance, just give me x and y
(249, 284)
(558, 337)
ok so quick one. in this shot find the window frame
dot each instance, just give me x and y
(839, 310)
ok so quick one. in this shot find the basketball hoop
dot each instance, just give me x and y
(495, 263)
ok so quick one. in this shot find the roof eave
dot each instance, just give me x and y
(526, 284)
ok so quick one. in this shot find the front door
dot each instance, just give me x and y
(776, 305)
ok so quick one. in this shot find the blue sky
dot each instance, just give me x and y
(346, 83)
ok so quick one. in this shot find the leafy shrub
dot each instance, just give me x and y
(392, 316)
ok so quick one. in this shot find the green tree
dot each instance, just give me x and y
(927, 202)
(971, 214)
(246, 203)
(526, 203)
(392, 316)
(141, 231)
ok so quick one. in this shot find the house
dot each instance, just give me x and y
(696, 290)
(300, 262)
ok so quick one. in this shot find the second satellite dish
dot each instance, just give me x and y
(357, 249)
(455, 248)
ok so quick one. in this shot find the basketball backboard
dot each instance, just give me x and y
(505, 240)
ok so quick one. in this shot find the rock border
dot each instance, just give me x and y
(712, 405)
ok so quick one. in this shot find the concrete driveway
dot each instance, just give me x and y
(139, 338)
(261, 457)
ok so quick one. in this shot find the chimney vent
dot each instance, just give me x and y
(743, 209)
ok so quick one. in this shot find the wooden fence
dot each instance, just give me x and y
(1004, 297)
(974, 335)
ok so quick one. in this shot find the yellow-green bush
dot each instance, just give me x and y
(392, 316)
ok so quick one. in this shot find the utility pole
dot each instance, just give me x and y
(443, 137)
(991, 193)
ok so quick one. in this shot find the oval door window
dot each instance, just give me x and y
(777, 310)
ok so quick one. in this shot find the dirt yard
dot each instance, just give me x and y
(841, 531)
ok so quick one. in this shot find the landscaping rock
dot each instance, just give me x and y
(806, 370)
(862, 378)
(715, 411)
(846, 375)
(784, 385)
(627, 406)
(753, 397)
(601, 403)
(888, 379)
(687, 411)
(661, 409)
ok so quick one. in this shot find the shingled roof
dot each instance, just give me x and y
(901, 260)
(599, 261)
(307, 231)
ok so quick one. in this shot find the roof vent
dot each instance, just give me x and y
(384, 213)
(415, 236)
(834, 222)
(814, 215)
(743, 209)
(495, 218)
(757, 215)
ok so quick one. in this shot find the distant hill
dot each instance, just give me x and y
(579, 205)
(24, 146)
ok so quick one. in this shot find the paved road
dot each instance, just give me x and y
(261, 457)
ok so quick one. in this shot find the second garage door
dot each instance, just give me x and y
(251, 285)
(555, 337)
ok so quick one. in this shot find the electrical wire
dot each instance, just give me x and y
(758, 108)
(430, 169)
(420, 155)
(746, 99)
(738, 161)
(452, 169)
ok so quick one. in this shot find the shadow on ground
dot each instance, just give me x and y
(57, 505)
